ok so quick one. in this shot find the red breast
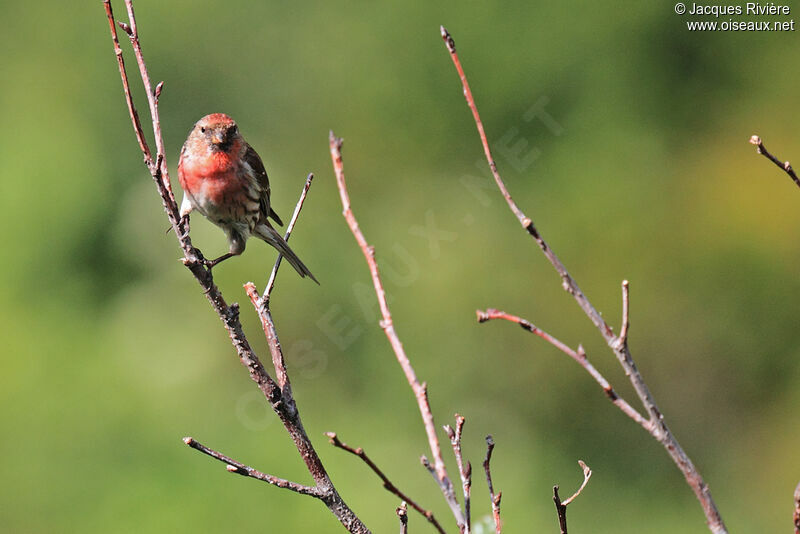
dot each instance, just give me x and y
(212, 174)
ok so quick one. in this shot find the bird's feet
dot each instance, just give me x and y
(210, 264)
(183, 225)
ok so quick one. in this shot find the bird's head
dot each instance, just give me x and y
(218, 132)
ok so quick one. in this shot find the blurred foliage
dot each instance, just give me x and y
(112, 354)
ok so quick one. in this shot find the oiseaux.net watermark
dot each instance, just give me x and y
(749, 16)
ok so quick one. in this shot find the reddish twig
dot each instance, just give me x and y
(493, 497)
(784, 165)
(279, 397)
(387, 484)
(402, 513)
(419, 389)
(464, 469)
(659, 429)
(137, 125)
(289, 228)
(239, 468)
(577, 355)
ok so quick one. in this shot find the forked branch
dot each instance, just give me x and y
(278, 394)
(239, 468)
(561, 506)
(618, 344)
(438, 468)
(464, 467)
(387, 484)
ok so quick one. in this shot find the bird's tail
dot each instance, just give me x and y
(271, 236)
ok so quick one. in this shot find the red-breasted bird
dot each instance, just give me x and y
(224, 179)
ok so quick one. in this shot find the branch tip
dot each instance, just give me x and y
(587, 474)
(448, 39)
(784, 165)
(335, 142)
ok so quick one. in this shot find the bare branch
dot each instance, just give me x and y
(578, 355)
(561, 510)
(626, 322)
(419, 389)
(784, 165)
(241, 469)
(587, 474)
(494, 498)
(568, 282)
(402, 513)
(261, 305)
(277, 394)
(151, 97)
(465, 470)
(561, 507)
(387, 484)
(659, 429)
(275, 349)
(137, 125)
(289, 228)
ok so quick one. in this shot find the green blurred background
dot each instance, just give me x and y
(112, 354)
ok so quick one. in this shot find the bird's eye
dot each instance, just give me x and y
(234, 129)
(203, 129)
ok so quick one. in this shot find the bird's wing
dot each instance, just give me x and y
(252, 158)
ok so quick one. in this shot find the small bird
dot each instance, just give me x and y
(224, 179)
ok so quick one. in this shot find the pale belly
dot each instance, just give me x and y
(223, 200)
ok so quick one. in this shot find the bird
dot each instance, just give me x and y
(224, 179)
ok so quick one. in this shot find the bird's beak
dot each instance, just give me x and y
(218, 138)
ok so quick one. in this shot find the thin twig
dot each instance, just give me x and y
(464, 469)
(784, 165)
(659, 429)
(494, 498)
(587, 474)
(578, 355)
(261, 305)
(561, 510)
(787, 168)
(275, 350)
(244, 470)
(137, 125)
(419, 389)
(274, 273)
(561, 507)
(279, 398)
(152, 99)
(402, 513)
(626, 322)
(387, 484)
